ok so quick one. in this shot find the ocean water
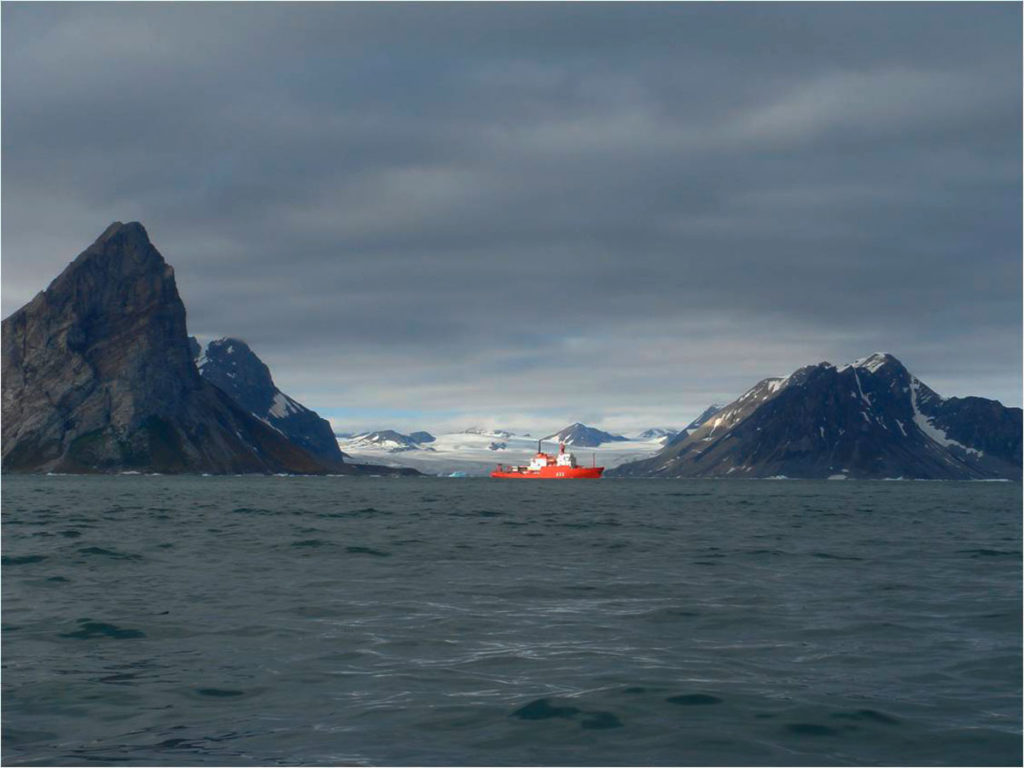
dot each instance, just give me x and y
(361, 621)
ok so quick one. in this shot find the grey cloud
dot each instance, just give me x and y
(390, 186)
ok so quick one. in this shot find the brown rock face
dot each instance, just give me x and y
(98, 376)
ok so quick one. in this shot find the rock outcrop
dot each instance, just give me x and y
(98, 376)
(868, 419)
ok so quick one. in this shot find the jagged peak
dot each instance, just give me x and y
(133, 230)
(126, 248)
(228, 344)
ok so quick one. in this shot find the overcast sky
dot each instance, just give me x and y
(436, 215)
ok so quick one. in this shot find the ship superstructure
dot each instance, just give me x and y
(561, 466)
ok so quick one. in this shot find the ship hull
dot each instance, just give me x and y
(552, 473)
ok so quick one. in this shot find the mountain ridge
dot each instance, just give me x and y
(390, 440)
(870, 418)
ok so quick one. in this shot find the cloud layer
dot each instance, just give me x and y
(528, 213)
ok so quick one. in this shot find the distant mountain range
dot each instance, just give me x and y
(474, 451)
(474, 438)
(391, 441)
(867, 419)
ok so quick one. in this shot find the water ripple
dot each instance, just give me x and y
(330, 621)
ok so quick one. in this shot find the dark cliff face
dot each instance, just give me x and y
(113, 314)
(233, 367)
(98, 377)
(871, 419)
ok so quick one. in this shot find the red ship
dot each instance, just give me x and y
(545, 466)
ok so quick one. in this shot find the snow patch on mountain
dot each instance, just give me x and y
(283, 405)
(926, 425)
(865, 398)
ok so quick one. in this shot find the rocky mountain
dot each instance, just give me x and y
(869, 419)
(582, 436)
(389, 440)
(233, 367)
(98, 377)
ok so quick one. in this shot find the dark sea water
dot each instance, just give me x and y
(202, 620)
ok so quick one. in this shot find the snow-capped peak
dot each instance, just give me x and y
(871, 363)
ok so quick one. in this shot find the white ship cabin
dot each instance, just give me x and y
(544, 460)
